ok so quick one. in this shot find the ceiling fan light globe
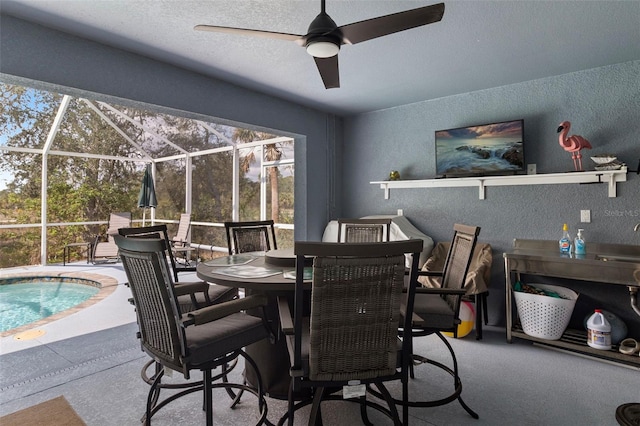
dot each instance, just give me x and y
(322, 49)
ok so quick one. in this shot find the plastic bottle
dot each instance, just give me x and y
(579, 245)
(565, 241)
(598, 331)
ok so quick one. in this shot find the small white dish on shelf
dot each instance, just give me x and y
(603, 158)
(613, 165)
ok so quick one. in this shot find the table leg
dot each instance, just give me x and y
(480, 306)
(508, 290)
(272, 359)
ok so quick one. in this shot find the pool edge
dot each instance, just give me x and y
(107, 287)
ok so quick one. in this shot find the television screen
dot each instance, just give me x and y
(488, 149)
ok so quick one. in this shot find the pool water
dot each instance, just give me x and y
(24, 303)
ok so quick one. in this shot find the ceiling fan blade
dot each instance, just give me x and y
(328, 68)
(256, 33)
(389, 24)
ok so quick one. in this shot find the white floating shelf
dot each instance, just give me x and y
(610, 177)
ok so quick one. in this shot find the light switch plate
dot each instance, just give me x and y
(585, 216)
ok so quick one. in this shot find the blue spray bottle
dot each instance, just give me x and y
(579, 245)
(565, 241)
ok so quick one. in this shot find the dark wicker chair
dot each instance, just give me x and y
(351, 335)
(195, 294)
(203, 339)
(436, 310)
(363, 230)
(477, 280)
(190, 296)
(243, 237)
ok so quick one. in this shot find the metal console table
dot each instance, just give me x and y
(609, 264)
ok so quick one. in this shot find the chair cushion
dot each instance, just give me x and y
(217, 294)
(106, 249)
(212, 340)
(434, 312)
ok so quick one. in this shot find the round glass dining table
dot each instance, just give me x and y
(270, 273)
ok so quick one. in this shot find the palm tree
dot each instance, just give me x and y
(271, 153)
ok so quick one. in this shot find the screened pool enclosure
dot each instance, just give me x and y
(67, 162)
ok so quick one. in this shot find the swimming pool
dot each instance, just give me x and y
(26, 300)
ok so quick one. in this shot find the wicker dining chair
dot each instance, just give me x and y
(363, 230)
(436, 310)
(477, 279)
(190, 295)
(351, 335)
(243, 237)
(195, 294)
(203, 339)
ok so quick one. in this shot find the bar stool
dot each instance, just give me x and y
(477, 281)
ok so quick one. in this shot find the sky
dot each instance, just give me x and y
(4, 179)
(4, 176)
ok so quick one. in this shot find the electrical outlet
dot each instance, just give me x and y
(531, 169)
(585, 216)
(400, 212)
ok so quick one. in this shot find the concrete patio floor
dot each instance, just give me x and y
(93, 359)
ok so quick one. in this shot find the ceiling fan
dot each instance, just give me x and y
(324, 37)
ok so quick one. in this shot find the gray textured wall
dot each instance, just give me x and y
(602, 104)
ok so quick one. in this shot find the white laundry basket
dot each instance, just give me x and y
(543, 316)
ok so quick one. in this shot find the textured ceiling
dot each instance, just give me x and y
(477, 45)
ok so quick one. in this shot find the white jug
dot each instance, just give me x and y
(598, 331)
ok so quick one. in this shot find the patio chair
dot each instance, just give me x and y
(363, 230)
(351, 335)
(202, 293)
(436, 310)
(104, 249)
(476, 282)
(180, 242)
(243, 237)
(190, 295)
(203, 339)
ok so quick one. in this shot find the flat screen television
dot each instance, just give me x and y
(482, 150)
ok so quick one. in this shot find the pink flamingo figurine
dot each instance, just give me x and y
(573, 144)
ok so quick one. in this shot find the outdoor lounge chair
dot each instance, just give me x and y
(104, 247)
(180, 244)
